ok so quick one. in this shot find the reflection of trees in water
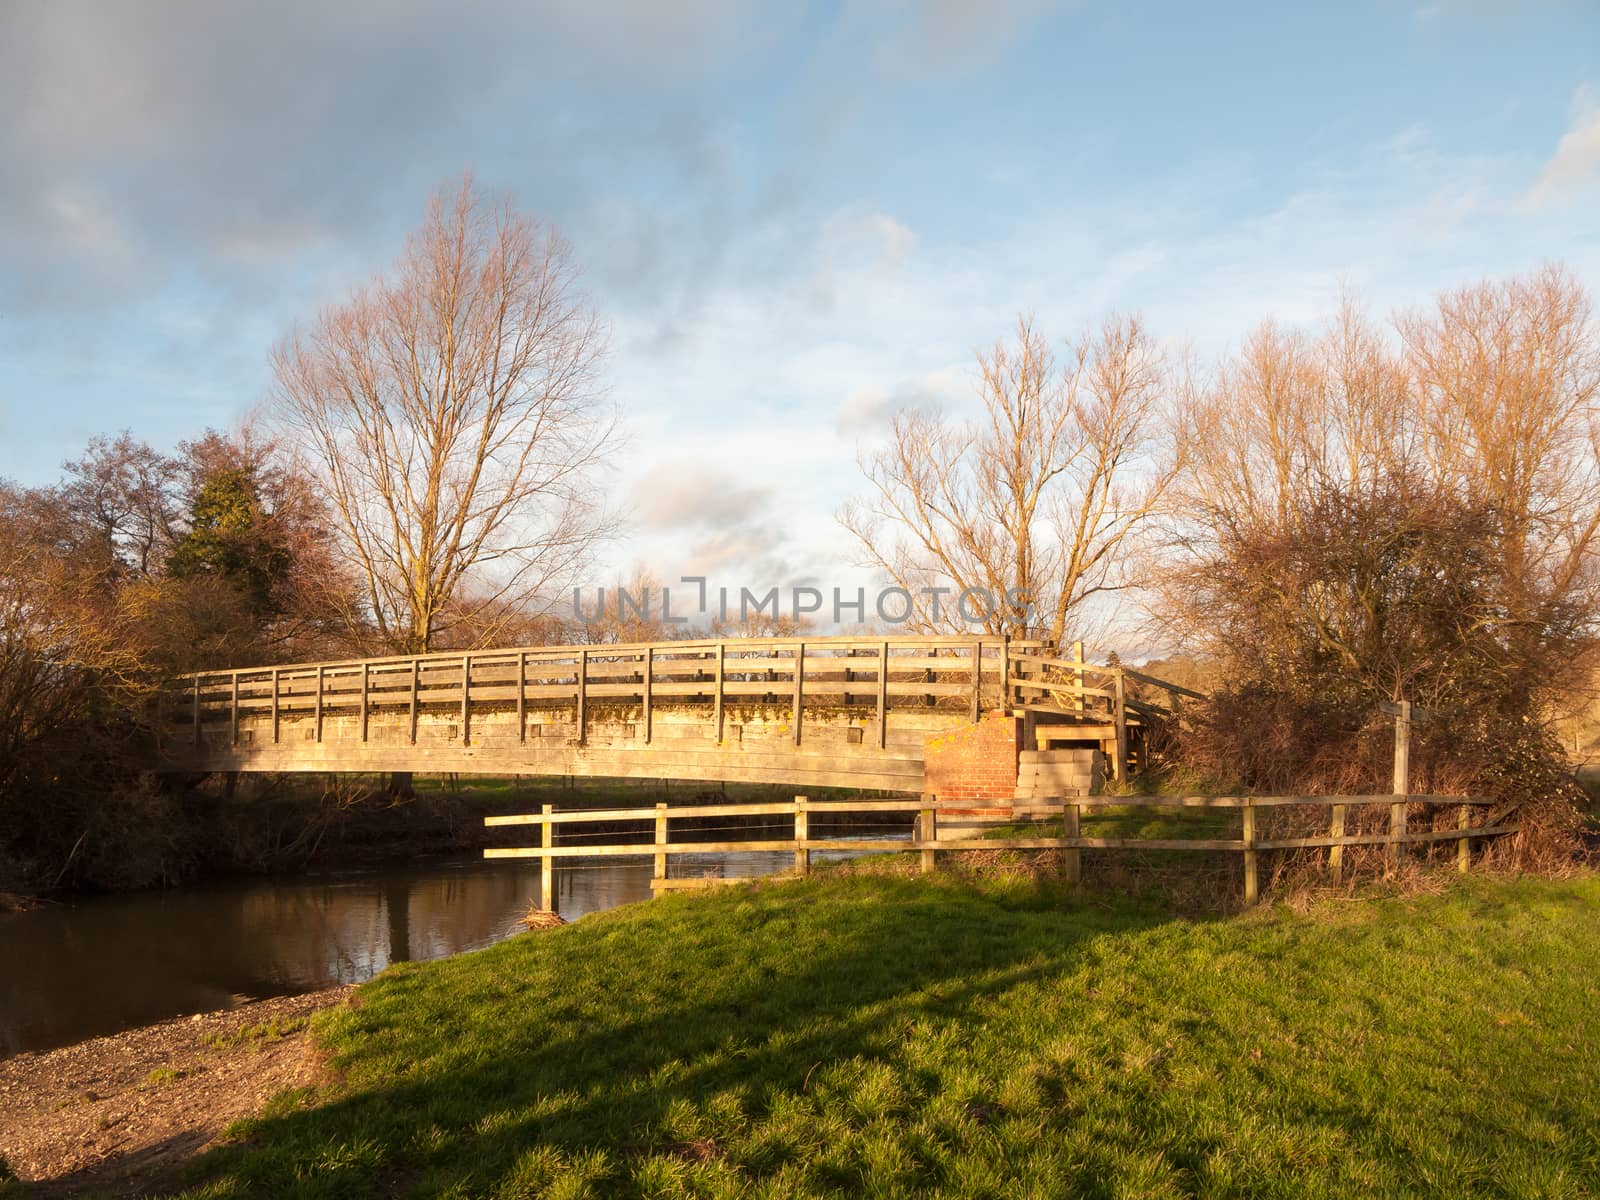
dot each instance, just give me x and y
(106, 964)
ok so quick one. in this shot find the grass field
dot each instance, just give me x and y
(866, 1034)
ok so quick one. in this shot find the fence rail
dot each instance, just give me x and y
(1072, 841)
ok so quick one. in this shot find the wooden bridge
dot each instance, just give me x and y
(971, 718)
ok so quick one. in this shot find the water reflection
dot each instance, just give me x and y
(71, 972)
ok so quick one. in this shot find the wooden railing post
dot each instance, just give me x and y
(197, 710)
(1250, 892)
(274, 706)
(522, 695)
(928, 831)
(977, 679)
(366, 675)
(466, 699)
(717, 702)
(321, 679)
(1463, 844)
(583, 696)
(547, 870)
(1336, 852)
(235, 717)
(802, 832)
(799, 687)
(661, 841)
(1402, 785)
(883, 694)
(1120, 688)
(649, 689)
(1072, 857)
(416, 684)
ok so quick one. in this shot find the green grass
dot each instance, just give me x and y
(865, 1034)
(256, 1035)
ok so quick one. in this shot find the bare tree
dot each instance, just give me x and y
(453, 409)
(1037, 501)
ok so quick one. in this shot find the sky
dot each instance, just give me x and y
(793, 218)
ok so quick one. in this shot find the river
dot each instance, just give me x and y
(102, 964)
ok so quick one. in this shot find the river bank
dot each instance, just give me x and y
(869, 1031)
(114, 1115)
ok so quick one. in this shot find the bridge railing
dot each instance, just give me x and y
(878, 674)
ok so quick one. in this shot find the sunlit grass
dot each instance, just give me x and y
(861, 1034)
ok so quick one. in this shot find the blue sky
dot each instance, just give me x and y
(793, 218)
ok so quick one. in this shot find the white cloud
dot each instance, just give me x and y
(1576, 162)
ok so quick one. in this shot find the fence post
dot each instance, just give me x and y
(366, 674)
(802, 831)
(928, 831)
(197, 710)
(1249, 851)
(661, 840)
(547, 870)
(320, 678)
(1464, 844)
(1336, 853)
(1072, 858)
(236, 708)
(274, 706)
(466, 699)
(1402, 784)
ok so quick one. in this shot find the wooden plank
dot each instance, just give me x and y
(274, 706)
(466, 699)
(364, 697)
(1336, 849)
(650, 849)
(661, 841)
(320, 683)
(1464, 846)
(765, 809)
(1383, 839)
(235, 711)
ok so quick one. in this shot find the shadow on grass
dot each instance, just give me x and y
(588, 1043)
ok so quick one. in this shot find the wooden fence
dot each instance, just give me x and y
(927, 842)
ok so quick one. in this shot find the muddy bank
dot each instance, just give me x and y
(118, 1115)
